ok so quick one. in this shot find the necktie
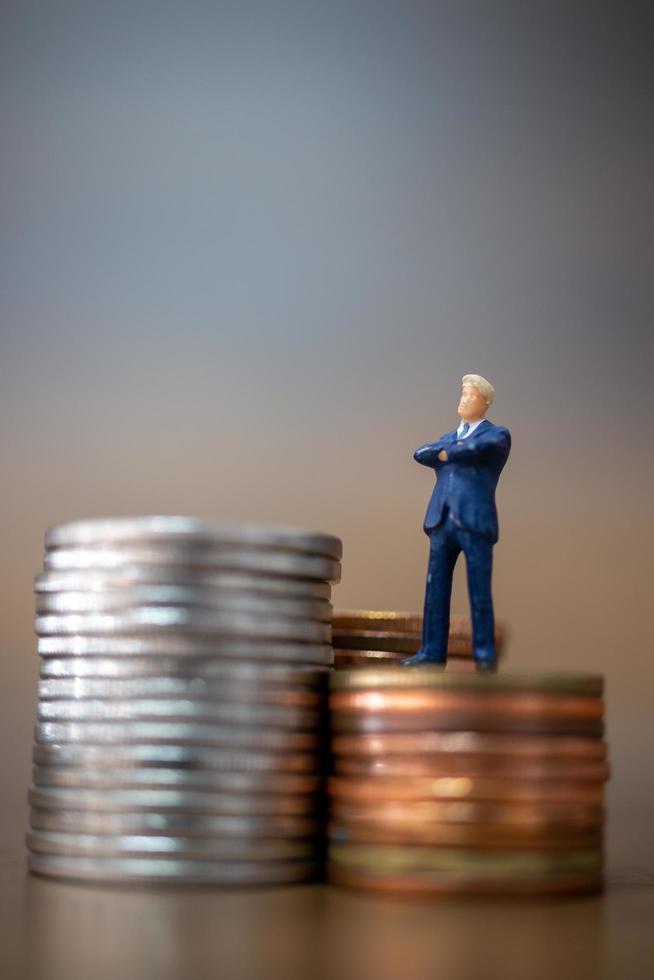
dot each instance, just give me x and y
(464, 430)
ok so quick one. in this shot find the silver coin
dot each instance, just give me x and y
(267, 826)
(124, 698)
(176, 779)
(159, 528)
(177, 676)
(152, 619)
(168, 645)
(211, 669)
(255, 714)
(194, 688)
(170, 800)
(176, 733)
(150, 576)
(63, 603)
(175, 756)
(181, 848)
(181, 872)
(227, 559)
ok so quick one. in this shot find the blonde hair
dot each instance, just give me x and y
(485, 387)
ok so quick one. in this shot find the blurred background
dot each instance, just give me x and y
(249, 249)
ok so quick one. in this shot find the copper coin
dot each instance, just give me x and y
(514, 704)
(370, 619)
(463, 835)
(463, 721)
(501, 711)
(494, 864)
(432, 884)
(239, 826)
(462, 662)
(555, 747)
(406, 643)
(401, 622)
(369, 658)
(473, 766)
(541, 816)
(462, 647)
(398, 682)
(358, 659)
(175, 779)
(347, 664)
(376, 640)
(380, 788)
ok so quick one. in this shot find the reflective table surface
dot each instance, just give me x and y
(63, 931)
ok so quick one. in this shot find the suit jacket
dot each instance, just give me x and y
(466, 482)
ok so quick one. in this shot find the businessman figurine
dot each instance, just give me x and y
(461, 517)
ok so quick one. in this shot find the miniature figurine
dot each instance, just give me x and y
(461, 517)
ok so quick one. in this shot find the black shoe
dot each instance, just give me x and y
(486, 666)
(423, 658)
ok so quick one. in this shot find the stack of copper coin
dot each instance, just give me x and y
(466, 783)
(365, 638)
(182, 700)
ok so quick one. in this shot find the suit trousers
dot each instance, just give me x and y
(446, 543)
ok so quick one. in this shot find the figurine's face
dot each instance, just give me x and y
(473, 405)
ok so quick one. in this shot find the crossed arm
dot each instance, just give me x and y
(465, 450)
(428, 455)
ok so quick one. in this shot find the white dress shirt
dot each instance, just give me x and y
(473, 426)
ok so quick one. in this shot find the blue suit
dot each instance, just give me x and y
(462, 516)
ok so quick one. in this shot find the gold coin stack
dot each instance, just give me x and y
(466, 783)
(366, 638)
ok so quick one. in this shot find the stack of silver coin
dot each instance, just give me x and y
(180, 731)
